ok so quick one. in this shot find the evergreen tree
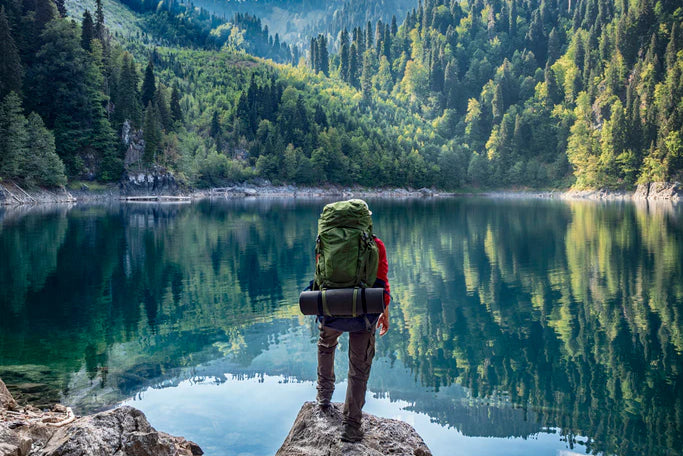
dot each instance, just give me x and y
(42, 165)
(322, 56)
(163, 108)
(512, 19)
(127, 100)
(61, 8)
(344, 72)
(148, 84)
(353, 66)
(61, 91)
(215, 130)
(176, 112)
(100, 30)
(87, 30)
(366, 78)
(45, 11)
(152, 135)
(368, 36)
(13, 137)
(11, 71)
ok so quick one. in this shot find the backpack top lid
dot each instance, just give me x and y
(353, 213)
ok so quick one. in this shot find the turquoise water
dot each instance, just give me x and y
(525, 327)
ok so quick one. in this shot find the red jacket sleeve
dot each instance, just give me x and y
(383, 270)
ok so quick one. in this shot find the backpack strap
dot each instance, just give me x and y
(364, 301)
(320, 304)
(323, 298)
(354, 312)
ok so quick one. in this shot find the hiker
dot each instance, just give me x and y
(352, 216)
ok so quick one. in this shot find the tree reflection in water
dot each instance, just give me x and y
(566, 315)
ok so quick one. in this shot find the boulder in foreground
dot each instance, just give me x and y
(317, 433)
(123, 431)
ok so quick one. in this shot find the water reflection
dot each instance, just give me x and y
(510, 316)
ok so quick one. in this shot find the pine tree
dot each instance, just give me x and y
(11, 71)
(42, 165)
(450, 84)
(313, 49)
(127, 101)
(151, 132)
(148, 84)
(512, 19)
(100, 30)
(386, 44)
(672, 48)
(61, 8)
(163, 108)
(61, 93)
(366, 78)
(215, 130)
(87, 30)
(353, 66)
(344, 56)
(322, 55)
(176, 112)
(368, 36)
(45, 12)
(554, 45)
(13, 137)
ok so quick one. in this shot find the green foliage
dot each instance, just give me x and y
(148, 85)
(152, 133)
(13, 137)
(27, 148)
(87, 30)
(11, 71)
(487, 93)
(42, 165)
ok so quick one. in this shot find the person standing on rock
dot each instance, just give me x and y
(348, 255)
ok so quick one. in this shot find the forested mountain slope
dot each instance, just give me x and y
(496, 93)
(525, 88)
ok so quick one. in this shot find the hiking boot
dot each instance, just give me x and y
(351, 434)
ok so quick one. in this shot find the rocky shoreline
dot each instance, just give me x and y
(29, 431)
(157, 184)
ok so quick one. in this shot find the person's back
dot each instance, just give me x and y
(361, 329)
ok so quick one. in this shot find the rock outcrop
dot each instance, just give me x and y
(156, 182)
(316, 433)
(123, 431)
(659, 191)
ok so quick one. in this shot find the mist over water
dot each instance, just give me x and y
(518, 326)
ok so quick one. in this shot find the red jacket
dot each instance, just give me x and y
(383, 270)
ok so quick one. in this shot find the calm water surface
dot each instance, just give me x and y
(519, 327)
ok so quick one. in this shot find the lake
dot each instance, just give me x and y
(518, 326)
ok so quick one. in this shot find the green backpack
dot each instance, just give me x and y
(346, 249)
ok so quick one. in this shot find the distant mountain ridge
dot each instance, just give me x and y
(297, 20)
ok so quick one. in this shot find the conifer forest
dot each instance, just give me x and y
(447, 94)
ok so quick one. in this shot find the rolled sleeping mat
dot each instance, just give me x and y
(342, 302)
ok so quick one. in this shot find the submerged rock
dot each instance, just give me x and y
(317, 433)
(7, 402)
(123, 431)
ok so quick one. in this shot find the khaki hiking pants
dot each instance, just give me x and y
(361, 352)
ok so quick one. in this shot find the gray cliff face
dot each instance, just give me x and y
(123, 431)
(138, 178)
(156, 182)
(659, 191)
(317, 433)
